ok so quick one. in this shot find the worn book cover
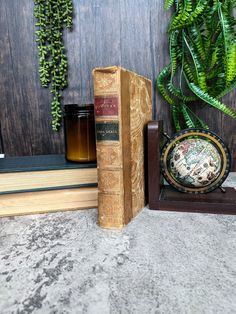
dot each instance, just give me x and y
(123, 106)
(48, 201)
(44, 172)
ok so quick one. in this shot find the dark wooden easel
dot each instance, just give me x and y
(167, 198)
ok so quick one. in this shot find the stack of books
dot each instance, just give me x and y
(35, 184)
(116, 185)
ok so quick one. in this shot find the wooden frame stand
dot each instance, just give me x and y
(164, 197)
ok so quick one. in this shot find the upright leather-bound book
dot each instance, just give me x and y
(123, 106)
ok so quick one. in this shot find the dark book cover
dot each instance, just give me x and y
(40, 163)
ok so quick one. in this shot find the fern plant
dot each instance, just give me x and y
(52, 16)
(202, 48)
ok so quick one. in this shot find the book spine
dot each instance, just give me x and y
(108, 114)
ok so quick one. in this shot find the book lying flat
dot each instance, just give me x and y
(47, 201)
(44, 172)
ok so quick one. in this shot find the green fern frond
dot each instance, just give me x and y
(175, 54)
(161, 86)
(189, 73)
(175, 117)
(188, 16)
(197, 39)
(179, 94)
(214, 57)
(182, 15)
(168, 4)
(229, 45)
(201, 76)
(227, 90)
(231, 63)
(199, 123)
(212, 101)
(187, 117)
(202, 48)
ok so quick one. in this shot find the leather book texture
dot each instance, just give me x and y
(123, 106)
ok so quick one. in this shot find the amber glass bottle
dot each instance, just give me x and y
(79, 126)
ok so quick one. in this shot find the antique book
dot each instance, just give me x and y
(48, 201)
(44, 172)
(123, 106)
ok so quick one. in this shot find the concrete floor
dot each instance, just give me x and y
(160, 263)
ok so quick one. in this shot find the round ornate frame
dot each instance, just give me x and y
(205, 135)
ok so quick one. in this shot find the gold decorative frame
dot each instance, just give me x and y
(203, 134)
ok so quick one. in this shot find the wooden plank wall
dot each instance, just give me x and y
(106, 32)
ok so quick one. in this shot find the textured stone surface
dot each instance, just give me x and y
(160, 263)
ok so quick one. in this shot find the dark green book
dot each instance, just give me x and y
(44, 172)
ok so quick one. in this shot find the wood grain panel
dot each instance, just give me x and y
(136, 37)
(24, 104)
(127, 33)
(228, 127)
(159, 21)
(73, 93)
(107, 32)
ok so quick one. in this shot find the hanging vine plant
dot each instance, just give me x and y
(202, 48)
(52, 16)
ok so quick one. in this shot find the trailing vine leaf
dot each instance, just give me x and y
(52, 16)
